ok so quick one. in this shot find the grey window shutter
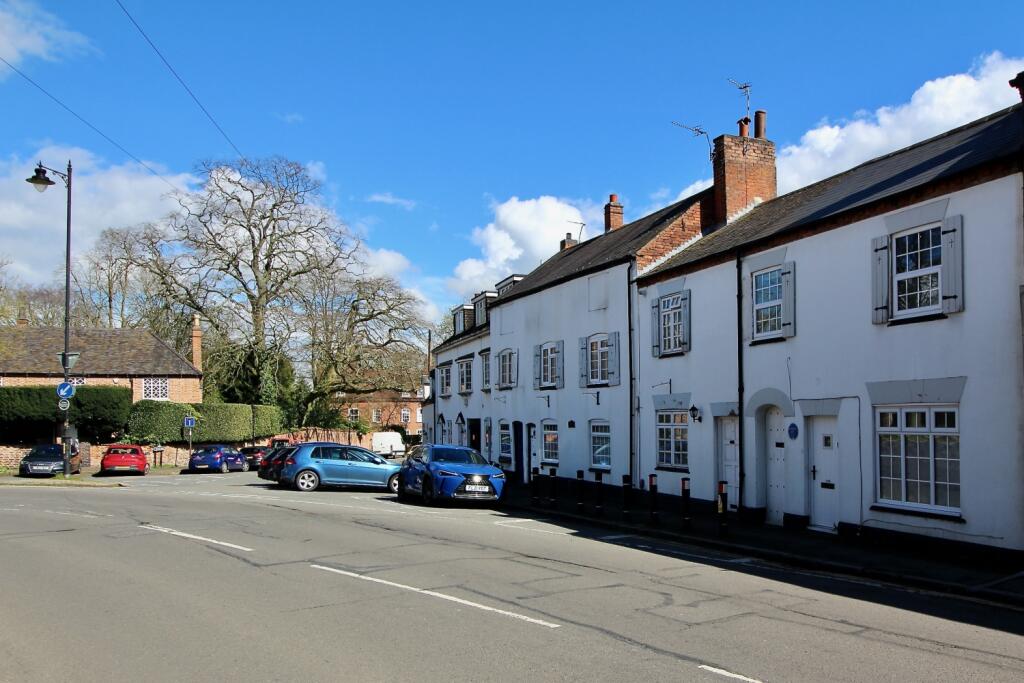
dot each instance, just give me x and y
(880, 264)
(686, 321)
(613, 359)
(536, 366)
(560, 365)
(584, 369)
(789, 299)
(656, 328)
(515, 368)
(953, 264)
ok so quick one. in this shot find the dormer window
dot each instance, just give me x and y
(481, 311)
(459, 322)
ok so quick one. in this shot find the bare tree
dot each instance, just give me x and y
(106, 278)
(234, 251)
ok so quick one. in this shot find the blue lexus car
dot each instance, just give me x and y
(439, 471)
(313, 464)
(217, 457)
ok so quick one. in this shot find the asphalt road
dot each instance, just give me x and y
(218, 577)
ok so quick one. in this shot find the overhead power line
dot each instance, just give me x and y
(180, 79)
(81, 118)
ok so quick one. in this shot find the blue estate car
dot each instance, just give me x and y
(217, 457)
(313, 464)
(452, 472)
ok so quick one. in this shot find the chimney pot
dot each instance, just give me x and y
(613, 198)
(760, 120)
(744, 126)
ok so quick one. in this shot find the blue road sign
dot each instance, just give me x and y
(189, 422)
(65, 390)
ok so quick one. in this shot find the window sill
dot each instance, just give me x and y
(547, 387)
(768, 340)
(549, 463)
(466, 393)
(917, 319)
(600, 468)
(670, 354)
(448, 395)
(913, 512)
(487, 389)
(672, 468)
(505, 387)
(597, 385)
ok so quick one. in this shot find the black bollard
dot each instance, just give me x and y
(685, 498)
(535, 486)
(723, 508)
(653, 486)
(579, 491)
(627, 490)
(598, 494)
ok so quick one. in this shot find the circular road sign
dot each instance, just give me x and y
(63, 404)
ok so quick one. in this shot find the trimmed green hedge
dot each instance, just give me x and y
(31, 414)
(161, 422)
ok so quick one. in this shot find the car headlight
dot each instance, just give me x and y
(499, 475)
(446, 473)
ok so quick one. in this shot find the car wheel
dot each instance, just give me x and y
(145, 470)
(224, 468)
(307, 480)
(393, 483)
(245, 465)
(427, 489)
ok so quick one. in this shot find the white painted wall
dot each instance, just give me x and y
(473, 405)
(837, 350)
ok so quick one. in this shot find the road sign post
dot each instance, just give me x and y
(189, 424)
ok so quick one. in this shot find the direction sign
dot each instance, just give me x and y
(63, 404)
(189, 422)
(65, 390)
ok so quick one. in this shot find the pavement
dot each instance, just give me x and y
(222, 577)
(962, 570)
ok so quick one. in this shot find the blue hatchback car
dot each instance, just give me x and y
(316, 463)
(217, 457)
(449, 472)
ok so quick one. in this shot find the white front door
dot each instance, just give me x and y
(775, 453)
(824, 472)
(728, 459)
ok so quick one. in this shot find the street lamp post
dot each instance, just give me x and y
(40, 181)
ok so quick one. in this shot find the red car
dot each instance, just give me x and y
(124, 458)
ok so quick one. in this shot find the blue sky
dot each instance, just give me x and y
(459, 138)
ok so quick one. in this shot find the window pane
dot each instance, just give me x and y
(916, 419)
(917, 457)
(889, 469)
(889, 419)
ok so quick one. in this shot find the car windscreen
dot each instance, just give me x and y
(50, 450)
(457, 455)
(284, 454)
(120, 451)
(206, 451)
(365, 456)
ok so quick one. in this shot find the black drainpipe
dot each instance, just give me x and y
(739, 378)
(632, 384)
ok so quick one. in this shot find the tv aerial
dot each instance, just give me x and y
(745, 89)
(698, 130)
(582, 225)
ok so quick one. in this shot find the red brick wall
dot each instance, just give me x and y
(744, 171)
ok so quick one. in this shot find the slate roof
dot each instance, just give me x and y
(598, 253)
(994, 137)
(26, 350)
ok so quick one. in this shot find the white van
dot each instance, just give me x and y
(388, 444)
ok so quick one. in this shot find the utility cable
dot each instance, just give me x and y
(180, 80)
(78, 116)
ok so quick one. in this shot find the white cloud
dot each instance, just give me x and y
(694, 187)
(523, 234)
(937, 106)
(388, 198)
(385, 262)
(26, 31)
(32, 225)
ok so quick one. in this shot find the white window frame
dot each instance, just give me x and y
(459, 324)
(549, 364)
(934, 230)
(406, 415)
(485, 371)
(549, 441)
(934, 436)
(600, 437)
(506, 361)
(353, 413)
(465, 376)
(445, 380)
(479, 313)
(597, 358)
(156, 388)
(419, 415)
(767, 304)
(672, 438)
(377, 415)
(505, 440)
(670, 323)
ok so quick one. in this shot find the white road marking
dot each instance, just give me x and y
(182, 534)
(508, 525)
(435, 594)
(728, 674)
(615, 537)
(70, 514)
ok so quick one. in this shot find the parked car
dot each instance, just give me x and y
(312, 464)
(438, 472)
(271, 464)
(388, 444)
(49, 459)
(124, 458)
(254, 454)
(217, 457)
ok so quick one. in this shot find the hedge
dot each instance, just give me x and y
(161, 422)
(31, 414)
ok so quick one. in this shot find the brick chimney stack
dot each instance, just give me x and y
(612, 213)
(197, 343)
(744, 169)
(567, 243)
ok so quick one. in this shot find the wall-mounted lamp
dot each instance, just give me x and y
(695, 415)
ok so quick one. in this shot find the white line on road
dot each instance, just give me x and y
(182, 534)
(69, 514)
(435, 594)
(509, 525)
(728, 674)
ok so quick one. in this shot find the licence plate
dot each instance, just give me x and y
(121, 467)
(476, 488)
(37, 468)
(199, 467)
